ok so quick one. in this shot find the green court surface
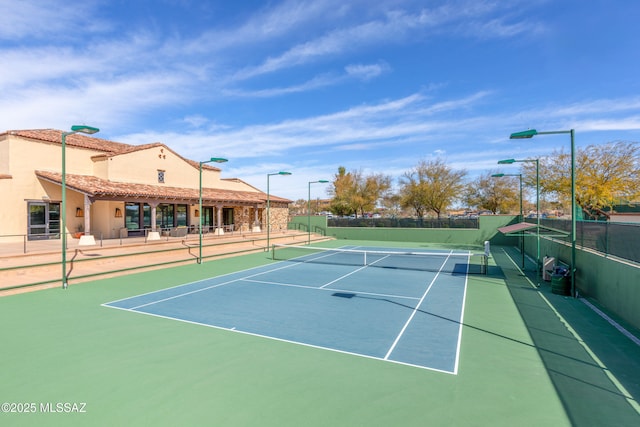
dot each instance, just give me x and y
(528, 358)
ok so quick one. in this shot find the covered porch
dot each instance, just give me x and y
(108, 209)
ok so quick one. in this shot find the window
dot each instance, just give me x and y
(164, 216)
(137, 218)
(160, 176)
(227, 216)
(181, 215)
(44, 220)
(146, 215)
(207, 219)
(132, 216)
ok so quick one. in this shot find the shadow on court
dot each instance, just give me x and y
(349, 295)
(594, 368)
(589, 395)
(580, 369)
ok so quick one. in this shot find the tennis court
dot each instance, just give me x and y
(526, 356)
(383, 303)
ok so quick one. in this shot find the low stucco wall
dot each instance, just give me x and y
(613, 283)
(488, 230)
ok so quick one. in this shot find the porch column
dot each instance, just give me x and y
(256, 221)
(153, 215)
(219, 227)
(87, 215)
(87, 239)
(153, 234)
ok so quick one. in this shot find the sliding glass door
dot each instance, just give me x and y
(43, 221)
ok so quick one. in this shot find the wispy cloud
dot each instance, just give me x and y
(132, 67)
(271, 22)
(315, 83)
(388, 125)
(92, 101)
(307, 83)
(612, 124)
(367, 71)
(64, 64)
(39, 19)
(393, 27)
(365, 127)
(363, 72)
(599, 106)
(591, 115)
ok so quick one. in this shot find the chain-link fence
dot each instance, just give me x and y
(405, 222)
(621, 240)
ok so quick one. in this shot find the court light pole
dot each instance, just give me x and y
(200, 213)
(511, 161)
(269, 203)
(321, 181)
(527, 134)
(89, 130)
(500, 175)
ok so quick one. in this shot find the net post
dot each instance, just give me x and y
(487, 253)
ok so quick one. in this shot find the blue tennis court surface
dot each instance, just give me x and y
(408, 316)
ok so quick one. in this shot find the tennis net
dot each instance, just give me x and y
(448, 262)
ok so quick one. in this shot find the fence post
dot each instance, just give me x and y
(606, 239)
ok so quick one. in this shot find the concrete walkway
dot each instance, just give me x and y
(38, 265)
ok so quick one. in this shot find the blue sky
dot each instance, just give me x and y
(308, 86)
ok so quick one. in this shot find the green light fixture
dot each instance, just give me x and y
(201, 214)
(63, 205)
(269, 203)
(530, 134)
(500, 175)
(510, 162)
(321, 181)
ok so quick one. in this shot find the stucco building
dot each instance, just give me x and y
(116, 190)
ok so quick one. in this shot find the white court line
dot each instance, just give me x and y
(202, 289)
(612, 322)
(283, 263)
(286, 265)
(415, 310)
(342, 277)
(190, 283)
(461, 324)
(234, 329)
(332, 289)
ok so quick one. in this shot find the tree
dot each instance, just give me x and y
(604, 173)
(431, 185)
(343, 184)
(369, 190)
(498, 195)
(299, 207)
(411, 193)
(352, 192)
(391, 202)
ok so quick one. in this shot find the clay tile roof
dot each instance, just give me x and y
(104, 189)
(108, 148)
(99, 188)
(76, 140)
